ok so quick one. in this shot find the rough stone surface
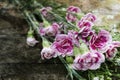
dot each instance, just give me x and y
(18, 61)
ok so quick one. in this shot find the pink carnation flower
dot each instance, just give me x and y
(112, 50)
(63, 45)
(70, 17)
(85, 29)
(73, 9)
(48, 53)
(50, 30)
(45, 10)
(91, 17)
(86, 34)
(87, 61)
(101, 41)
(84, 23)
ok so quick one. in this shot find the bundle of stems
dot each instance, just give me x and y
(34, 24)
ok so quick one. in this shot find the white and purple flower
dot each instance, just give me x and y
(101, 41)
(31, 41)
(63, 45)
(71, 11)
(91, 17)
(84, 23)
(112, 50)
(50, 30)
(48, 53)
(85, 29)
(90, 60)
(70, 17)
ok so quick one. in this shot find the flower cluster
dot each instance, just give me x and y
(99, 44)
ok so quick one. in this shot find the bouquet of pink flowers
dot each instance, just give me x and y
(75, 40)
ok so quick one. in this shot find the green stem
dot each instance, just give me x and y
(35, 27)
(67, 67)
(70, 70)
(63, 20)
(108, 71)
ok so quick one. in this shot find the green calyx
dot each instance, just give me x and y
(45, 22)
(45, 42)
(30, 33)
(69, 59)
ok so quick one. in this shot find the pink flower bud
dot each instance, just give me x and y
(31, 41)
(48, 53)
